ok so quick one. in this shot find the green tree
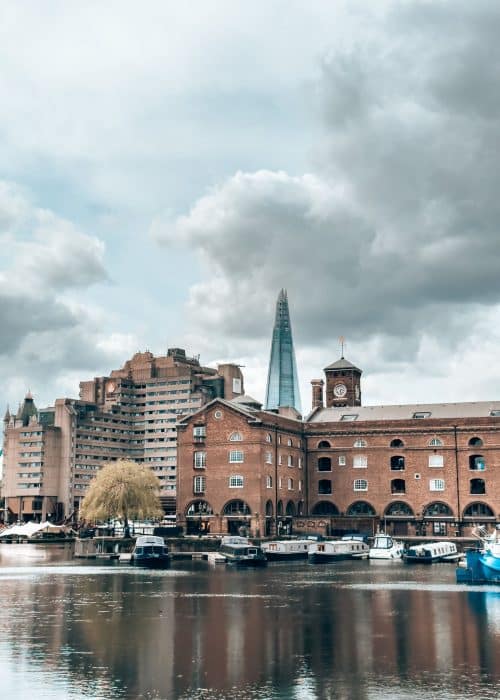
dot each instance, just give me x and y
(124, 490)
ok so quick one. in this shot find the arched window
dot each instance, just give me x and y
(325, 508)
(236, 508)
(435, 442)
(269, 509)
(269, 437)
(478, 510)
(323, 445)
(324, 464)
(398, 486)
(279, 508)
(475, 442)
(289, 442)
(360, 443)
(397, 463)
(477, 487)
(477, 463)
(236, 437)
(397, 443)
(398, 509)
(360, 508)
(324, 486)
(199, 508)
(438, 510)
(290, 508)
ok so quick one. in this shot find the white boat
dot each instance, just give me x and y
(384, 547)
(336, 550)
(239, 551)
(432, 552)
(286, 550)
(151, 552)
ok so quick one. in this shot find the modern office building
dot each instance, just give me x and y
(282, 379)
(51, 454)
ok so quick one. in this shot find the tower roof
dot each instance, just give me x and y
(342, 364)
(282, 379)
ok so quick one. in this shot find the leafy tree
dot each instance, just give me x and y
(124, 490)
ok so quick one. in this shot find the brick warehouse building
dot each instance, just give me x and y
(414, 469)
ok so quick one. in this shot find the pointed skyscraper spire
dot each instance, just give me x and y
(282, 379)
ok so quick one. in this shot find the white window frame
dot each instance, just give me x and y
(289, 442)
(236, 457)
(289, 461)
(342, 460)
(360, 485)
(290, 484)
(280, 459)
(438, 459)
(360, 461)
(199, 431)
(236, 481)
(199, 484)
(236, 437)
(437, 485)
(435, 442)
(269, 457)
(269, 437)
(300, 462)
(200, 460)
(300, 484)
(359, 443)
(269, 482)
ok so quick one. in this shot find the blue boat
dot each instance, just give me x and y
(482, 565)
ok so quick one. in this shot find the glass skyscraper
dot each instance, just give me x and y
(282, 379)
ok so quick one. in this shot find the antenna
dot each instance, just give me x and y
(342, 345)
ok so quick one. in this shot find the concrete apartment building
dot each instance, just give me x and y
(51, 454)
(415, 469)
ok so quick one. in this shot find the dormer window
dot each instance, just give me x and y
(421, 414)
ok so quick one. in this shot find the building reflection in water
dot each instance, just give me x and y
(287, 632)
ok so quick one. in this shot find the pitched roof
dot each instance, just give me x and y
(342, 364)
(468, 409)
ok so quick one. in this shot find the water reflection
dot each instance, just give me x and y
(342, 631)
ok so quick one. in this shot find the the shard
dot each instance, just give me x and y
(282, 380)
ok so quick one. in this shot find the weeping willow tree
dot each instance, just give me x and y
(124, 490)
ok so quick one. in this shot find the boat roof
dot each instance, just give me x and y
(149, 539)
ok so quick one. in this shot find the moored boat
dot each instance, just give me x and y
(150, 551)
(286, 550)
(239, 551)
(432, 552)
(385, 547)
(482, 565)
(336, 550)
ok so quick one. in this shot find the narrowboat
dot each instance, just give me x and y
(150, 551)
(337, 550)
(239, 551)
(384, 547)
(432, 552)
(286, 550)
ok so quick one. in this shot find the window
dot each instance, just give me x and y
(280, 459)
(477, 486)
(269, 482)
(324, 486)
(200, 460)
(360, 485)
(236, 385)
(199, 431)
(422, 414)
(397, 463)
(235, 456)
(289, 442)
(435, 442)
(279, 483)
(475, 442)
(495, 413)
(290, 484)
(436, 460)
(360, 461)
(199, 484)
(300, 484)
(438, 510)
(342, 461)
(397, 443)
(235, 481)
(236, 437)
(360, 508)
(398, 486)
(218, 415)
(360, 443)
(349, 416)
(323, 445)
(269, 457)
(289, 461)
(436, 485)
(300, 462)
(477, 463)
(398, 509)
(269, 437)
(324, 464)
(475, 510)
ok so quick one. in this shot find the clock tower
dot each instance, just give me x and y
(343, 384)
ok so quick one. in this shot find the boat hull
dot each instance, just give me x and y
(285, 556)
(481, 567)
(325, 558)
(151, 562)
(244, 563)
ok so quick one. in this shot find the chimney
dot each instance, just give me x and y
(317, 393)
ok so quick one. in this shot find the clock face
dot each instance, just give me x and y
(340, 390)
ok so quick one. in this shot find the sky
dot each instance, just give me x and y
(166, 168)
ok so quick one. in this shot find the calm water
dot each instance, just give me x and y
(362, 630)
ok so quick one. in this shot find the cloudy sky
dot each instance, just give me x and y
(166, 168)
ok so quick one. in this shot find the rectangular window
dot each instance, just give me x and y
(360, 485)
(269, 482)
(300, 484)
(436, 461)
(349, 416)
(290, 484)
(342, 461)
(199, 484)
(199, 431)
(290, 461)
(422, 414)
(269, 457)
(436, 485)
(235, 481)
(280, 459)
(360, 461)
(235, 456)
(300, 462)
(236, 385)
(200, 460)
(279, 483)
